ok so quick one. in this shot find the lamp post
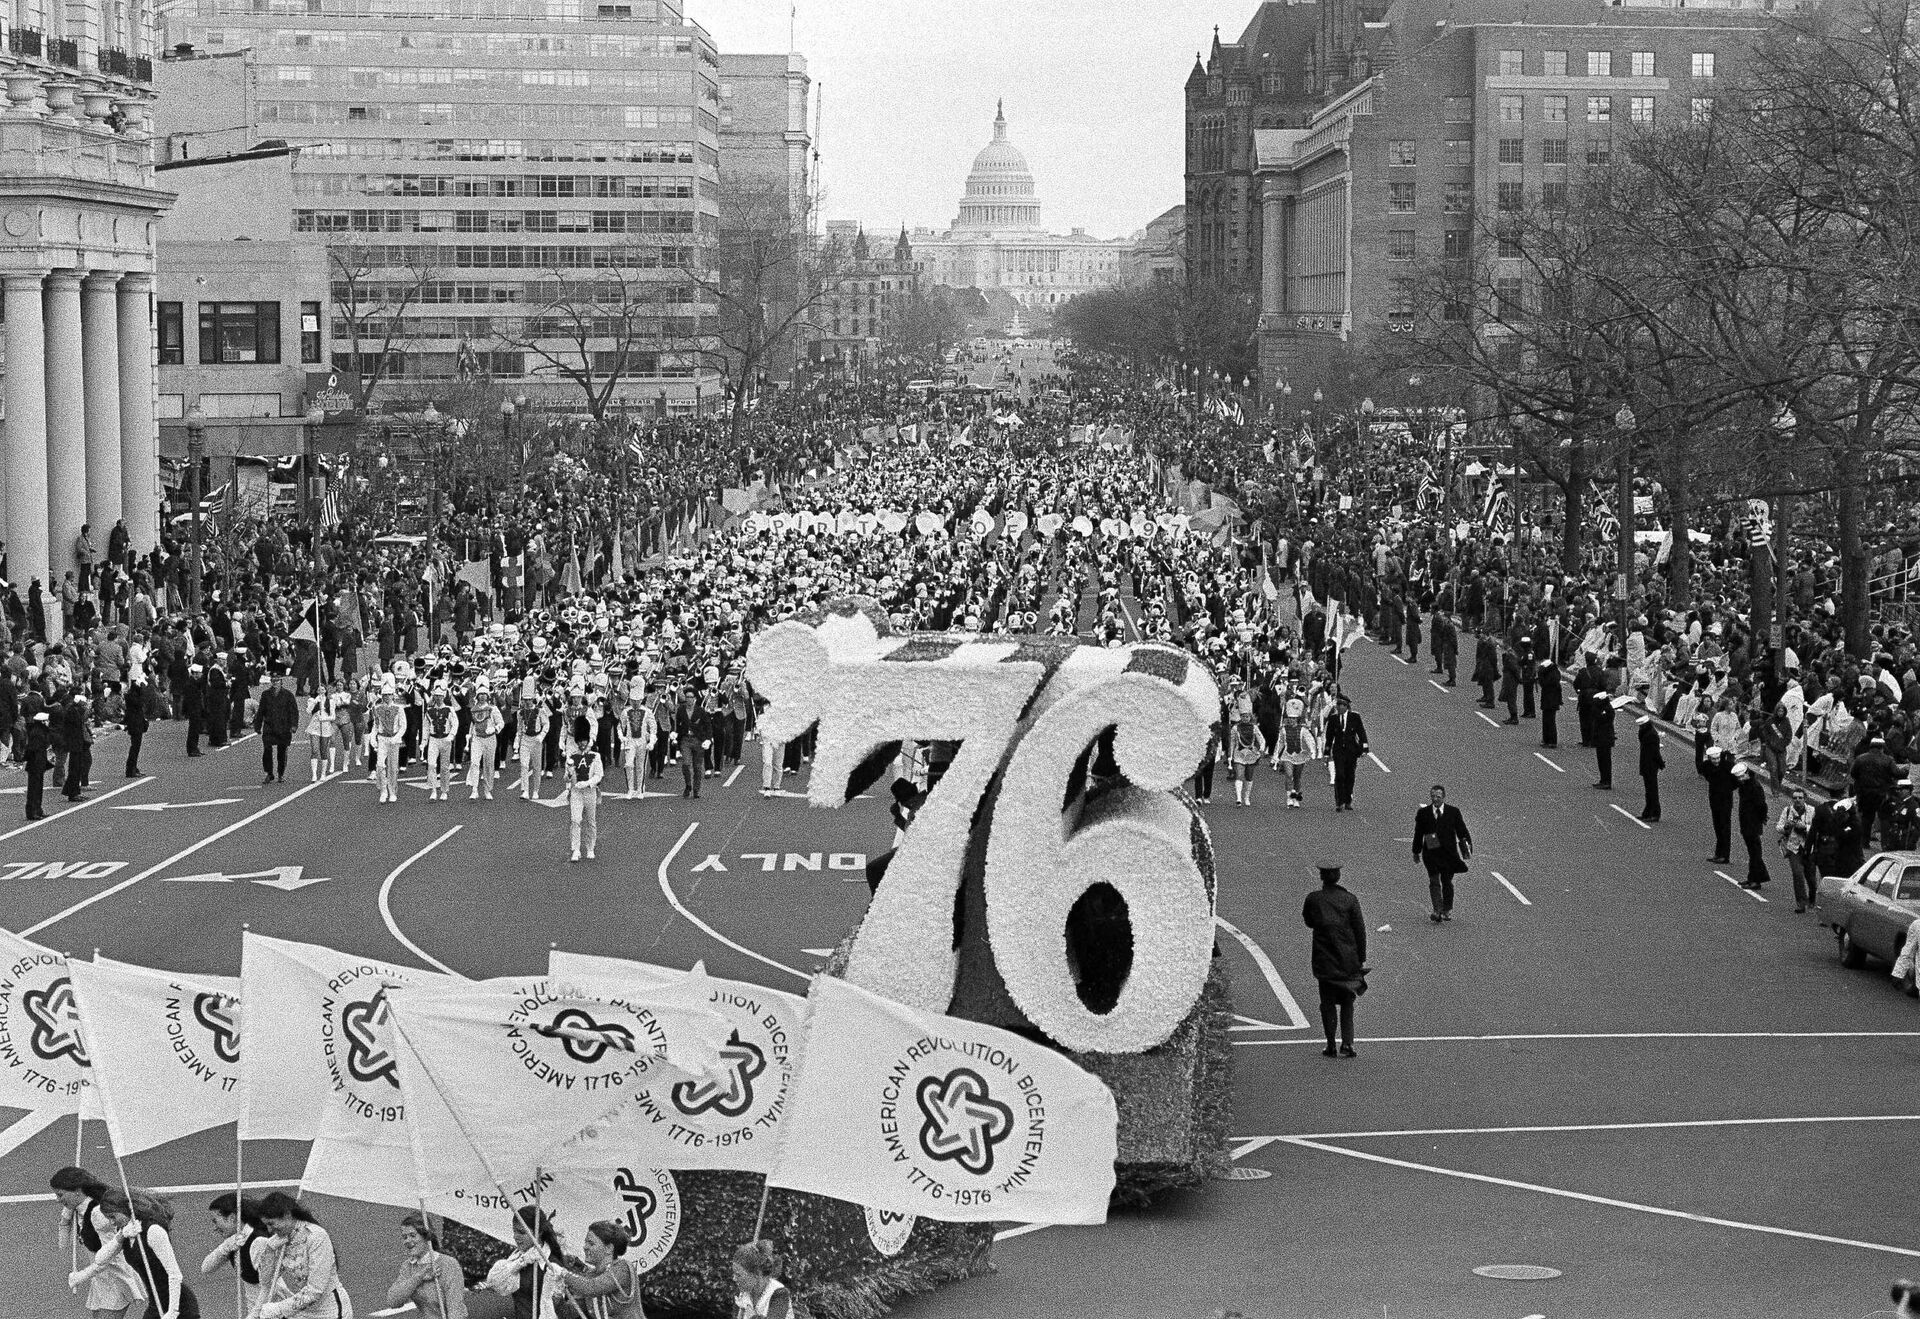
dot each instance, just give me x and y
(309, 506)
(196, 454)
(432, 419)
(1625, 423)
(506, 448)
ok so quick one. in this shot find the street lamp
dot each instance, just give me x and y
(309, 506)
(1625, 423)
(196, 454)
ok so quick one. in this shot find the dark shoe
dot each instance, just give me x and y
(1717, 860)
(1607, 785)
(1346, 1051)
(1509, 722)
(1446, 915)
(196, 753)
(1329, 1052)
(264, 782)
(1650, 819)
(1799, 907)
(1435, 917)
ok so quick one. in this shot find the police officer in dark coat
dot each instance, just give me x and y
(1873, 775)
(1599, 710)
(193, 706)
(1838, 839)
(1549, 702)
(1753, 822)
(1486, 669)
(1339, 956)
(1510, 685)
(39, 740)
(137, 712)
(1716, 767)
(1585, 683)
(1651, 763)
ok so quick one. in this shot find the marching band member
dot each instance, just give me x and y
(584, 770)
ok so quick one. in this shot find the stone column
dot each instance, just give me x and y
(100, 369)
(66, 423)
(139, 438)
(1273, 251)
(23, 467)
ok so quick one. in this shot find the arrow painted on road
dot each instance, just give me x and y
(285, 878)
(179, 805)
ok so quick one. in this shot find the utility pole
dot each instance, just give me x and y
(1624, 422)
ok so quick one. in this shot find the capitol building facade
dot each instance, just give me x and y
(996, 243)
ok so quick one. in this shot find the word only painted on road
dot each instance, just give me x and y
(59, 869)
(771, 862)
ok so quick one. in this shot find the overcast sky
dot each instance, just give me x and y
(1092, 87)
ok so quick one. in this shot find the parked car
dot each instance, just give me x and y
(1871, 910)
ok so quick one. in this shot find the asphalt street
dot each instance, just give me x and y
(1640, 1076)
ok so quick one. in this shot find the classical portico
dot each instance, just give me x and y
(77, 209)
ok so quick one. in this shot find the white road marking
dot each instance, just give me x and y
(61, 815)
(1438, 687)
(1661, 1211)
(736, 774)
(1548, 763)
(157, 806)
(24, 1130)
(818, 952)
(1489, 718)
(1752, 893)
(1622, 1035)
(198, 1188)
(1295, 1016)
(1401, 658)
(175, 859)
(1254, 1023)
(386, 911)
(666, 887)
(1510, 888)
(1629, 814)
(1245, 1145)
(1603, 1126)
(1381, 763)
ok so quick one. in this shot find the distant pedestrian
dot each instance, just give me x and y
(1753, 823)
(584, 770)
(275, 720)
(1716, 767)
(1442, 844)
(1651, 763)
(1549, 702)
(136, 713)
(1346, 743)
(1794, 829)
(1339, 956)
(38, 762)
(1599, 721)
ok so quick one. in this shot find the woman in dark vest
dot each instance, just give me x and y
(140, 1225)
(112, 1289)
(240, 1245)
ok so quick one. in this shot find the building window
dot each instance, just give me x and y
(1554, 109)
(1459, 109)
(1599, 151)
(1553, 195)
(239, 332)
(1454, 244)
(1512, 109)
(1599, 109)
(1401, 151)
(1460, 151)
(1400, 244)
(1554, 63)
(1513, 151)
(310, 333)
(1553, 151)
(1507, 296)
(173, 338)
(1511, 64)
(1640, 63)
(1640, 109)
(1702, 109)
(1400, 290)
(1453, 310)
(1458, 199)
(1511, 197)
(1703, 64)
(1400, 198)
(1510, 249)
(1599, 63)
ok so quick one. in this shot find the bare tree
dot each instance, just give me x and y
(761, 283)
(601, 329)
(371, 299)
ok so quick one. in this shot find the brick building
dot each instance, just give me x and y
(865, 295)
(1430, 125)
(1259, 82)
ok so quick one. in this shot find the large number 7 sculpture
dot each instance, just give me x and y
(1031, 712)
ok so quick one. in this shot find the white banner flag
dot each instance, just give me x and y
(528, 1064)
(44, 1063)
(918, 1113)
(166, 1050)
(730, 1119)
(315, 1040)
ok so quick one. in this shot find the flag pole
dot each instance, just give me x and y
(240, 1199)
(79, 1125)
(120, 1165)
(761, 1216)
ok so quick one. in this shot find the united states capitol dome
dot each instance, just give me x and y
(1000, 193)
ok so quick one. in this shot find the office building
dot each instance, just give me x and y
(78, 202)
(490, 176)
(766, 168)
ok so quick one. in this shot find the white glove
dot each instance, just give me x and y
(78, 1279)
(130, 1232)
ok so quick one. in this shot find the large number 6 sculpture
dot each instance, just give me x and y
(1047, 705)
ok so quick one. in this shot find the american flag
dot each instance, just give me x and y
(634, 446)
(1430, 496)
(330, 509)
(1498, 512)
